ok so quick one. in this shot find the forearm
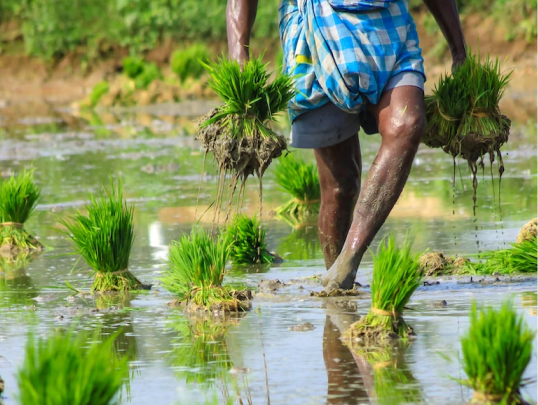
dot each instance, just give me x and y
(446, 14)
(240, 16)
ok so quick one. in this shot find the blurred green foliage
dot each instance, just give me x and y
(188, 62)
(52, 28)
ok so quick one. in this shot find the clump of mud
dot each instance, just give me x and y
(365, 331)
(240, 302)
(241, 156)
(338, 292)
(436, 264)
(528, 232)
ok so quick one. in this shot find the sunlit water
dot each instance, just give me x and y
(160, 162)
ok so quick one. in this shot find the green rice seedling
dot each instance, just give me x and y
(238, 133)
(65, 369)
(496, 350)
(301, 180)
(463, 115)
(247, 241)
(463, 111)
(104, 239)
(133, 66)
(396, 276)
(19, 196)
(188, 62)
(195, 273)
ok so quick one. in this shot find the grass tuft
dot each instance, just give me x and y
(19, 196)
(496, 350)
(65, 370)
(463, 112)
(301, 180)
(104, 238)
(196, 269)
(396, 276)
(246, 237)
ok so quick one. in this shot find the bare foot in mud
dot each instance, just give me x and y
(339, 276)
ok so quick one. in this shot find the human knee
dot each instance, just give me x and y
(407, 130)
(347, 188)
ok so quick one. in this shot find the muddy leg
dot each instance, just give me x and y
(339, 169)
(401, 121)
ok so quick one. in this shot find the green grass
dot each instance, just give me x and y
(396, 276)
(301, 180)
(196, 269)
(496, 350)
(247, 241)
(140, 71)
(188, 62)
(250, 100)
(466, 102)
(104, 238)
(64, 369)
(19, 195)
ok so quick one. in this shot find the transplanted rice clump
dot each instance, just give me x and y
(396, 276)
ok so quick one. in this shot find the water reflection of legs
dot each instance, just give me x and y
(345, 383)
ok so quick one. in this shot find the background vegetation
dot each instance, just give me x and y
(50, 29)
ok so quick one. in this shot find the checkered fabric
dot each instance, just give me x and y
(345, 51)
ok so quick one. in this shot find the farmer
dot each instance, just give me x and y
(358, 63)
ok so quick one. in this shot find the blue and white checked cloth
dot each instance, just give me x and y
(345, 51)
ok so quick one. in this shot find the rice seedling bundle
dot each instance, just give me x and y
(301, 180)
(246, 237)
(104, 239)
(195, 273)
(66, 370)
(238, 132)
(19, 196)
(463, 113)
(496, 350)
(396, 276)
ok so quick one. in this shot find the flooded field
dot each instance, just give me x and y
(287, 350)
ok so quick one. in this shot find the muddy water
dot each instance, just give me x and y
(288, 350)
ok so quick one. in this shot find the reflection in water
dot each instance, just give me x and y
(301, 244)
(16, 288)
(529, 300)
(364, 374)
(200, 355)
(386, 375)
(120, 324)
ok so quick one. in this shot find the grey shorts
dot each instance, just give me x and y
(329, 125)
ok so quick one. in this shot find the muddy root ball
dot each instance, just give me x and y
(432, 263)
(240, 156)
(528, 232)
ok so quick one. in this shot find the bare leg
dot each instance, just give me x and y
(401, 120)
(339, 169)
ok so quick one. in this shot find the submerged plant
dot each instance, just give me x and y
(195, 273)
(19, 196)
(396, 276)
(63, 369)
(496, 350)
(301, 180)
(246, 237)
(104, 238)
(238, 132)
